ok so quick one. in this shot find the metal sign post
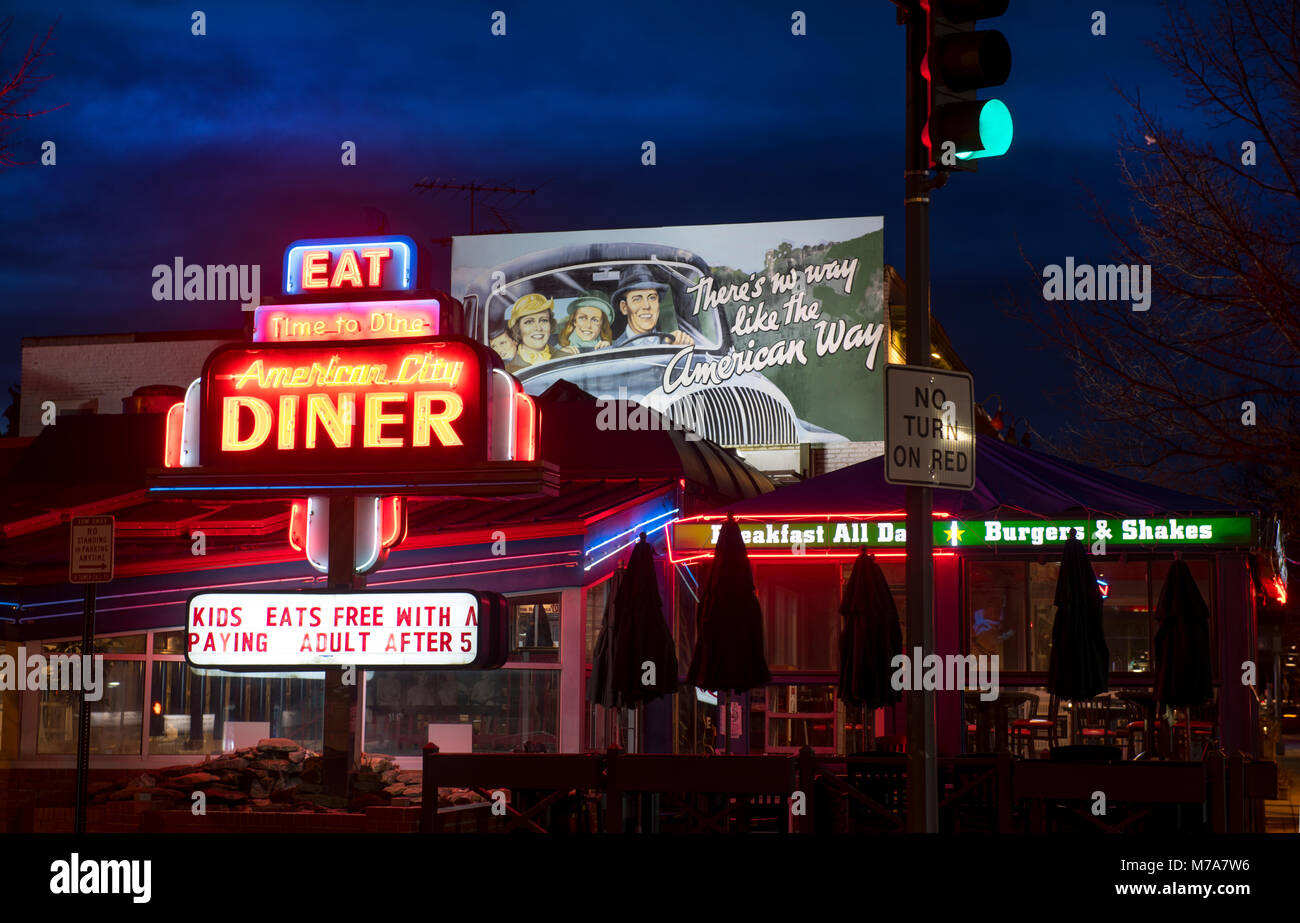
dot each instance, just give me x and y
(923, 775)
(90, 561)
(339, 755)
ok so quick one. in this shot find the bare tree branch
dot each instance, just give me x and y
(18, 88)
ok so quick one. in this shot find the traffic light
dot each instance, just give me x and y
(958, 61)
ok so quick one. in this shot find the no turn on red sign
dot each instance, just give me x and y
(929, 427)
(90, 552)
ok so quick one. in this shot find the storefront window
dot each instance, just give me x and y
(535, 628)
(1130, 591)
(169, 642)
(997, 609)
(116, 720)
(1126, 615)
(801, 616)
(9, 708)
(117, 644)
(688, 589)
(208, 711)
(1042, 614)
(596, 598)
(187, 711)
(488, 710)
(800, 715)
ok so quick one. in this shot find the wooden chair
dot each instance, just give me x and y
(1033, 727)
(1102, 721)
(1204, 729)
(1202, 721)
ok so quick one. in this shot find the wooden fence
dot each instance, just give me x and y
(616, 792)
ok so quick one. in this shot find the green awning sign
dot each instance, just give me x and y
(1174, 533)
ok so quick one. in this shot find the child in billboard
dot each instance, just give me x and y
(589, 325)
(530, 324)
(505, 347)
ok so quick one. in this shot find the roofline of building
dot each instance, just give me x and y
(156, 336)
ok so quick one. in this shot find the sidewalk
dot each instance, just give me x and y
(1283, 815)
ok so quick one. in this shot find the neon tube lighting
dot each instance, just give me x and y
(618, 549)
(637, 528)
(463, 561)
(809, 517)
(469, 573)
(281, 487)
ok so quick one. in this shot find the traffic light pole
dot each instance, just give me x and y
(922, 777)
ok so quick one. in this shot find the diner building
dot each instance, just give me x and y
(555, 553)
(552, 557)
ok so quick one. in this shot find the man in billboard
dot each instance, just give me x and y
(637, 298)
(529, 324)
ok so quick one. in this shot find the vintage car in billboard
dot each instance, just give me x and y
(610, 318)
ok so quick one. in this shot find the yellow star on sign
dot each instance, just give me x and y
(954, 534)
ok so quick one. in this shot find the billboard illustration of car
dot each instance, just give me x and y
(751, 335)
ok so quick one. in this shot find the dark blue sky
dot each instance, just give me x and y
(223, 148)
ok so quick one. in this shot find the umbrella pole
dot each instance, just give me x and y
(726, 722)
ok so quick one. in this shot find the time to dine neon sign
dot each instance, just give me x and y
(345, 406)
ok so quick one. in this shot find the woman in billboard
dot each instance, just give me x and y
(530, 325)
(588, 326)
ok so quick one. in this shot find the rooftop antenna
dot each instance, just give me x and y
(473, 189)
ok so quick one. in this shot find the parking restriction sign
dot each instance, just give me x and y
(929, 427)
(90, 553)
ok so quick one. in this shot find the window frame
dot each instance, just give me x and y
(28, 711)
(1126, 678)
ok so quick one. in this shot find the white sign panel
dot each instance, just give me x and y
(258, 630)
(929, 427)
(90, 553)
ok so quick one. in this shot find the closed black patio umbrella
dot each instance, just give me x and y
(1184, 675)
(633, 634)
(870, 637)
(641, 634)
(729, 644)
(1079, 667)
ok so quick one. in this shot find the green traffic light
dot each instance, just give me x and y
(995, 130)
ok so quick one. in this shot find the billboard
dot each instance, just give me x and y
(767, 334)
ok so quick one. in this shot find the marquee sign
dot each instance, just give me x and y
(353, 387)
(350, 264)
(452, 629)
(695, 538)
(346, 320)
(345, 407)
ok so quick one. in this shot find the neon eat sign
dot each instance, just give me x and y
(345, 406)
(349, 264)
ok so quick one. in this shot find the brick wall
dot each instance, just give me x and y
(44, 801)
(98, 375)
(24, 791)
(837, 455)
